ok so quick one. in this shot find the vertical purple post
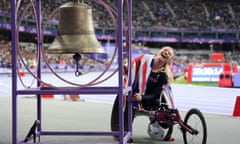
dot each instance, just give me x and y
(129, 62)
(39, 45)
(120, 64)
(14, 74)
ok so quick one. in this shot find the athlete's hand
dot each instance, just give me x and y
(137, 97)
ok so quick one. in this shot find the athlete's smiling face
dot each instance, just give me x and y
(164, 55)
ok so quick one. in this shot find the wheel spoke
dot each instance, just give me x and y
(195, 119)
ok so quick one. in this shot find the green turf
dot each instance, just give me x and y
(181, 80)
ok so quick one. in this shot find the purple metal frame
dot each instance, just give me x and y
(123, 135)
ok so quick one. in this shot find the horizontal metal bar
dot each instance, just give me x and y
(79, 133)
(53, 133)
(70, 90)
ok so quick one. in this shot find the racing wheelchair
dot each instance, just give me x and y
(163, 118)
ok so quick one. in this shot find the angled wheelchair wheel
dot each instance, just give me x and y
(114, 116)
(195, 119)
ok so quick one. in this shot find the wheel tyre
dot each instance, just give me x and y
(114, 116)
(198, 113)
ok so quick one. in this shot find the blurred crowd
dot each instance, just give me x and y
(190, 14)
(28, 58)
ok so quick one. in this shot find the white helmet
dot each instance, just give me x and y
(155, 131)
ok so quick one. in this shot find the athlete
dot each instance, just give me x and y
(149, 74)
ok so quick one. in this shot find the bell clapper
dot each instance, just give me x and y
(77, 58)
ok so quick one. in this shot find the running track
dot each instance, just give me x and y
(207, 99)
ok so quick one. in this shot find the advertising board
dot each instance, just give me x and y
(206, 72)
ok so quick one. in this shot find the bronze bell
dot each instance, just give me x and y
(75, 31)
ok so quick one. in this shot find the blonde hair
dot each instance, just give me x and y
(169, 73)
(167, 68)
